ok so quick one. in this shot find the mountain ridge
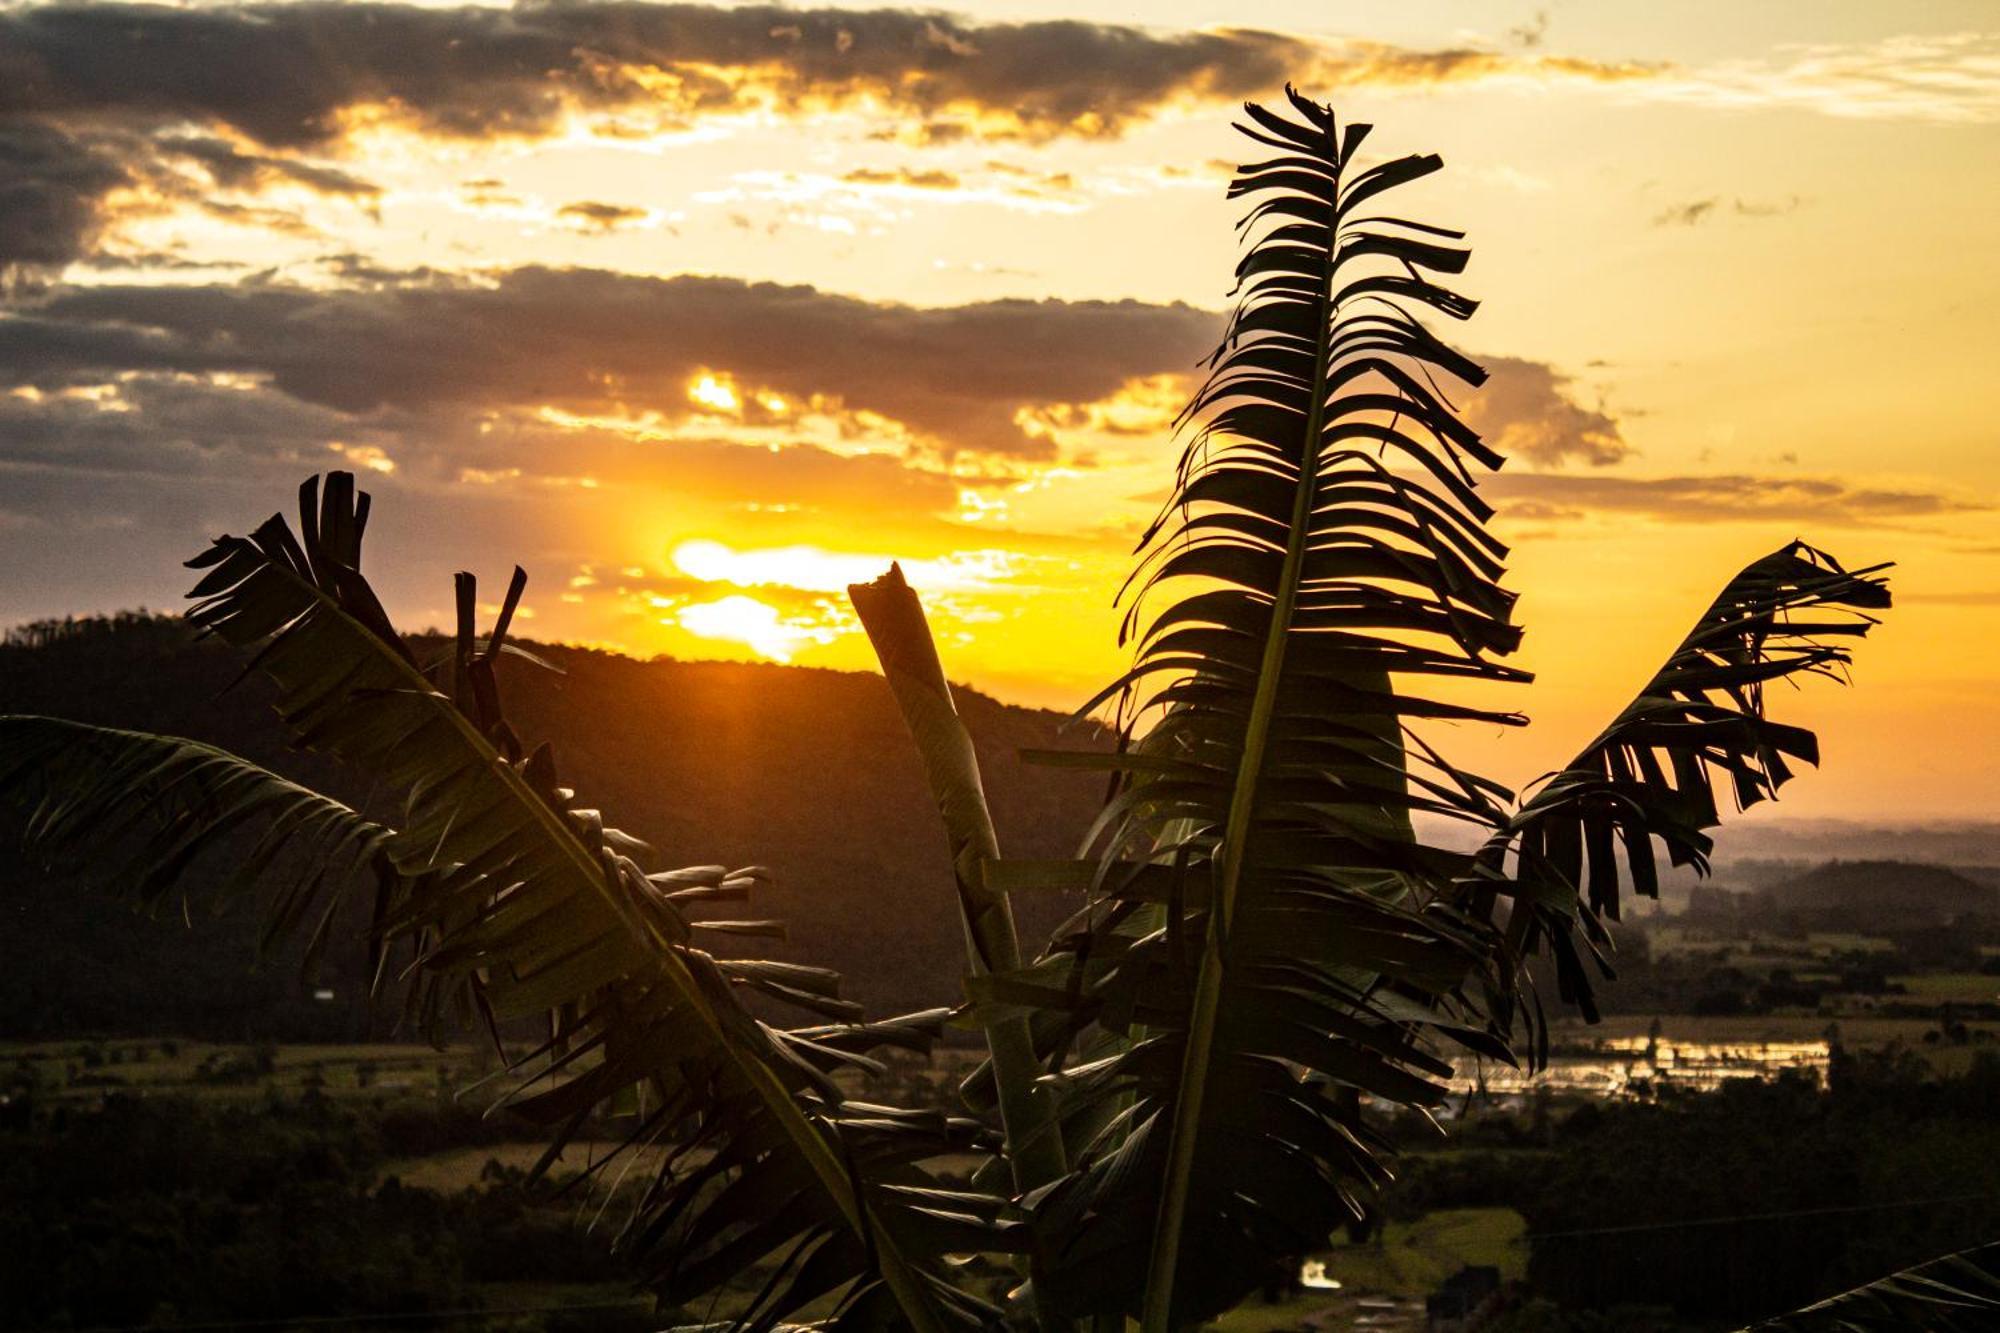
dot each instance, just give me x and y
(808, 771)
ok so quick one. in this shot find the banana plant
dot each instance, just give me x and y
(1267, 948)
(513, 902)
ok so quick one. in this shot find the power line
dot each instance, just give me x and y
(1758, 1217)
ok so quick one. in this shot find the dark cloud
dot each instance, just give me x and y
(580, 339)
(447, 373)
(57, 185)
(596, 215)
(287, 74)
(178, 427)
(52, 189)
(1532, 33)
(1697, 211)
(294, 70)
(1380, 65)
(1728, 498)
(239, 91)
(234, 169)
(1684, 215)
(1527, 409)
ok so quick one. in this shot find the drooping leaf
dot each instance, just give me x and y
(146, 816)
(1697, 734)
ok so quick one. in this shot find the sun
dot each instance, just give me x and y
(715, 392)
(747, 621)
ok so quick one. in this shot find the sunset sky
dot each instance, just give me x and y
(701, 313)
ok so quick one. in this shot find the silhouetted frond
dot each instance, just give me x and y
(165, 807)
(1700, 724)
(1270, 941)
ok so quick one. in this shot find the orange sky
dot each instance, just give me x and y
(702, 313)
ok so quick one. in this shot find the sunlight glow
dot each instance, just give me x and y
(1312, 1276)
(747, 621)
(364, 455)
(718, 392)
(813, 569)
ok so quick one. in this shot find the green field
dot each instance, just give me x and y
(1388, 1278)
(78, 1068)
(1963, 987)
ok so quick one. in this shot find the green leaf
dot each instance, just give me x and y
(1959, 1293)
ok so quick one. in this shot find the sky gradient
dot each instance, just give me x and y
(701, 313)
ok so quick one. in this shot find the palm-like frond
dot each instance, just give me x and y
(1270, 938)
(521, 903)
(1959, 1293)
(1699, 724)
(163, 806)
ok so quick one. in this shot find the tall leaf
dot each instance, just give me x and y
(1270, 941)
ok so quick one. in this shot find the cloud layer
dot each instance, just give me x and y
(587, 341)
(1725, 498)
(263, 84)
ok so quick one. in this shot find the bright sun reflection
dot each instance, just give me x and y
(748, 621)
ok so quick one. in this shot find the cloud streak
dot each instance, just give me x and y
(543, 377)
(578, 340)
(1725, 498)
(300, 72)
(1950, 79)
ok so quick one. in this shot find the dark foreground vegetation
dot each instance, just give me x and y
(1678, 1211)
(137, 1211)
(1758, 1198)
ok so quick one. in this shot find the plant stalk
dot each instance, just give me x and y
(894, 619)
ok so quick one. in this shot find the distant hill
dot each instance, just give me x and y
(806, 771)
(1768, 839)
(1880, 895)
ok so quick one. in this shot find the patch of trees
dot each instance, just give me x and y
(1760, 1197)
(162, 1210)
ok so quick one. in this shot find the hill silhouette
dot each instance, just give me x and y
(806, 771)
(1881, 895)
